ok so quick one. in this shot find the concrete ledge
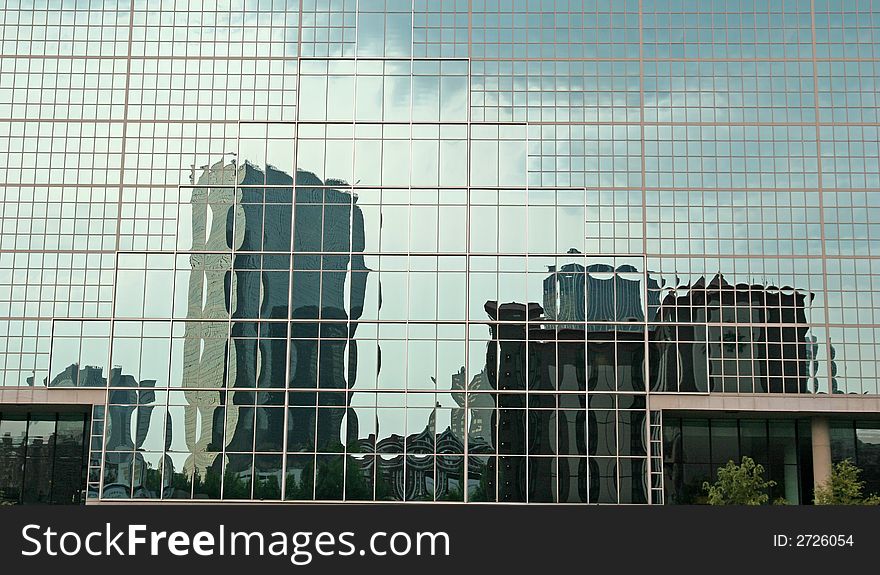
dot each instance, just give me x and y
(85, 396)
(764, 402)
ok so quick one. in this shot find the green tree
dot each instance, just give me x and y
(236, 486)
(739, 484)
(267, 488)
(304, 489)
(329, 480)
(209, 486)
(358, 486)
(844, 487)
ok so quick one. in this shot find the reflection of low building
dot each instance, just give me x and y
(528, 354)
(407, 469)
(73, 376)
(574, 294)
(589, 337)
(744, 338)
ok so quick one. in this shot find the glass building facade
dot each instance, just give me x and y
(570, 251)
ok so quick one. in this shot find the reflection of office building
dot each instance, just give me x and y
(216, 229)
(473, 404)
(512, 364)
(245, 210)
(526, 354)
(717, 337)
(73, 376)
(423, 466)
(330, 288)
(742, 338)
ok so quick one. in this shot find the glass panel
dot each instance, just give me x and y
(725, 441)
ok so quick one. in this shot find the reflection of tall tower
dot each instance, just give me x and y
(214, 215)
(330, 287)
(272, 249)
(261, 280)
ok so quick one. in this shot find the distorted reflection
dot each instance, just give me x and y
(715, 336)
(297, 372)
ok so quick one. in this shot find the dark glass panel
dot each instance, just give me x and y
(573, 476)
(207, 479)
(602, 432)
(420, 479)
(603, 480)
(691, 486)
(330, 422)
(843, 441)
(572, 431)
(237, 476)
(633, 480)
(68, 482)
(450, 478)
(390, 478)
(753, 439)
(11, 476)
(267, 477)
(725, 441)
(511, 482)
(511, 430)
(359, 477)
(630, 365)
(542, 432)
(69, 435)
(330, 477)
(37, 479)
(481, 478)
(543, 479)
(269, 429)
(240, 427)
(695, 440)
(300, 477)
(632, 430)
(868, 452)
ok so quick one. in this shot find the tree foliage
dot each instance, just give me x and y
(739, 484)
(844, 487)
